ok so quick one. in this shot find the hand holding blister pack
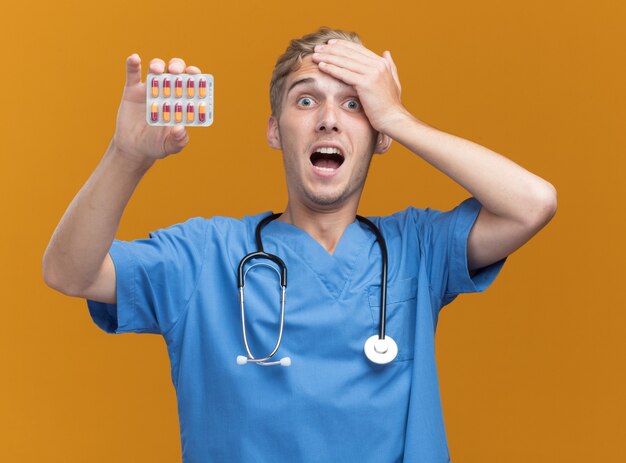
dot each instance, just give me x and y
(179, 99)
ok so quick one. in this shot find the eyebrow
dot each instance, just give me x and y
(309, 80)
(306, 80)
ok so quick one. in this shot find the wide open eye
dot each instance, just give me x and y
(305, 101)
(353, 104)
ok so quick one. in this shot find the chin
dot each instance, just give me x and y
(327, 199)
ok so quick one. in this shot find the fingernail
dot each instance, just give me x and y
(179, 135)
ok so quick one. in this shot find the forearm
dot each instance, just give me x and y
(84, 235)
(500, 185)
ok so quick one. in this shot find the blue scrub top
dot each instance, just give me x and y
(331, 404)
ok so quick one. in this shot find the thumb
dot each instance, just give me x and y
(176, 140)
(133, 70)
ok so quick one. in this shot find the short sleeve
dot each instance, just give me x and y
(446, 234)
(155, 278)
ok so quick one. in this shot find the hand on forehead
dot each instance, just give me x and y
(350, 61)
(374, 77)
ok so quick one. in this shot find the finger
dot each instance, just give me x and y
(341, 61)
(193, 70)
(343, 74)
(348, 53)
(176, 140)
(176, 66)
(133, 70)
(353, 46)
(157, 66)
(339, 50)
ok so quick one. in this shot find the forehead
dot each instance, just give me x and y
(309, 74)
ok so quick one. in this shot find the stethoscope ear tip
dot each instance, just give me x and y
(242, 360)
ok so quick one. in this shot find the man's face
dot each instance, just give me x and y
(326, 139)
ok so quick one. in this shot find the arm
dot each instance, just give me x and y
(76, 261)
(516, 203)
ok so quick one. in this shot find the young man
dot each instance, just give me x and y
(334, 104)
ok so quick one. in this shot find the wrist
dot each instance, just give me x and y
(394, 122)
(130, 162)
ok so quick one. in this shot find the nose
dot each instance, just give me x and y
(327, 119)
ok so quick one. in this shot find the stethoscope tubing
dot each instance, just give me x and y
(382, 317)
(264, 360)
(371, 347)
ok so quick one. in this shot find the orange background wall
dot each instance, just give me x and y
(533, 370)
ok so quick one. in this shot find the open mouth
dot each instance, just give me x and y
(327, 159)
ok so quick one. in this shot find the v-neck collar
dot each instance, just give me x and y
(334, 270)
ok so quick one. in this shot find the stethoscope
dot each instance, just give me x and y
(378, 348)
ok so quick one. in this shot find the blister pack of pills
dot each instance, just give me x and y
(179, 99)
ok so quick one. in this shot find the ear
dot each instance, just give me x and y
(273, 134)
(383, 142)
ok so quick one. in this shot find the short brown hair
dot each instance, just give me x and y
(291, 60)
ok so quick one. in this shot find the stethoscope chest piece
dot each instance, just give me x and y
(380, 351)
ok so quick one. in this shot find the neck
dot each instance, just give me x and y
(325, 226)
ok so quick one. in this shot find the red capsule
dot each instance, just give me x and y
(154, 112)
(178, 112)
(166, 112)
(155, 87)
(202, 112)
(190, 88)
(202, 87)
(190, 114)
(166, 87)
(178, 87)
